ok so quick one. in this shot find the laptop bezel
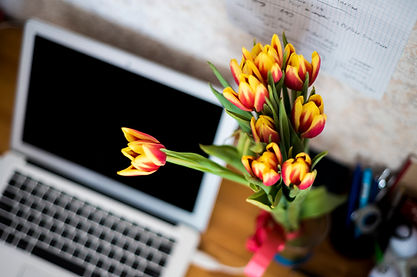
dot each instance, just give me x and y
(197, 219)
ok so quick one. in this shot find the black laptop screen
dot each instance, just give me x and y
(77, 104)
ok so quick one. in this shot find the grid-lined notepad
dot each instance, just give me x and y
(360, 42)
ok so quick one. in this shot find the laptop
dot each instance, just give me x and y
(63, 209)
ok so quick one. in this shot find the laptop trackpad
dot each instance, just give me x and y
(31, 271)
(14, 263)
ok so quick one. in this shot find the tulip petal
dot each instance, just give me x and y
(247, 163)
(316, 98)
(236, 70)
(285, 171)
(129, 153)
(144, 164)
(275, 149)
(154, 154)
(276, 72)
(292, 80)
(308, 180)
(231, 95)
(315, 63)
(132, 171)
(316, 127)
(132, 135)
(276, 44)
(296, 112)
(309, 113)
(254, 131)
(260, 95)
(246, 95)
(254, 70)
(270, 177)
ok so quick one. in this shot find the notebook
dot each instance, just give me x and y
(63, 209)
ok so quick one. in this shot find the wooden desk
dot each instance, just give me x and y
(232, 219)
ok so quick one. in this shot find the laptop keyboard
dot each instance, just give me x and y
(76, 235)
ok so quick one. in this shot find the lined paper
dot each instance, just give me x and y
(360, 42)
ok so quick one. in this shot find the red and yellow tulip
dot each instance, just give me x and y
(309, 119)
(267, 166)
(259, 61)
(263, 129)
(144, 151)
(251, 95)
(297, 171)
(297, 68)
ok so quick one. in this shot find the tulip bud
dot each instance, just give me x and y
(267, 166)
(297, 171)
(144, 151)
(309, 119)
(297, 68)
(263, 129)
(251, 95)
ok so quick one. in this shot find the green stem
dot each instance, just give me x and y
(204, 165)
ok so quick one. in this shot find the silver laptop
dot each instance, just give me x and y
(63, 209)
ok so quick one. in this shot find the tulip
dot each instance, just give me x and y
(246, 67)
(297, 171)
(297, 68)
(263, 129)
(251, 94)
(308, 119)
(267, 166)
(144, 151)
(259, 61)
(267, 61)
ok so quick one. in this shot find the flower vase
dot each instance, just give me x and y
(300, 245)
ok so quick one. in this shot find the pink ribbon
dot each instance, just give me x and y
(268, 240)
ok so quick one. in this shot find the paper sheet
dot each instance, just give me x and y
(360, 42)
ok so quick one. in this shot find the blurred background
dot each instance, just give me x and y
(184, 35)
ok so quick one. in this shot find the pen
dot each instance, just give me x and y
(365, 192)
(354, 192)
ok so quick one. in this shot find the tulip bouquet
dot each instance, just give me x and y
(277, 113)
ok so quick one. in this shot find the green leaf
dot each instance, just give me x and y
(227, 153)
(244, 144)
(317, 158)
(229, 106)
(258, 147)
(254, 181)
(284, 39)
(296, 142)
(278, 197)
(243, 123)
(305, 86)
(319, 202)
(272, 90)
(287, 193)
(287, 102)
(284, 131)
(273, 110)
(219, 76)
(294, 208)
(260, 199)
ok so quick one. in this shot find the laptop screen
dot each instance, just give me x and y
(76, 105)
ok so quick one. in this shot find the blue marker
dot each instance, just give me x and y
(354, 193)
(365, 192)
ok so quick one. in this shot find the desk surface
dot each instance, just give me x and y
(232, 221)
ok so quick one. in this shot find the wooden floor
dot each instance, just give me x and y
(232, 219)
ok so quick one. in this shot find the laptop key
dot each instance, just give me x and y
(58, 260)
